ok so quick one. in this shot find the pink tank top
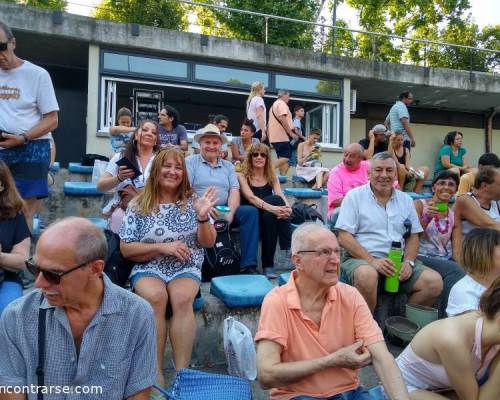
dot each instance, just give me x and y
(423, 374)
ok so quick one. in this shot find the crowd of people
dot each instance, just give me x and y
(317, 330)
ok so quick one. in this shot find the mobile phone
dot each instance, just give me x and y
(125, 162)
(223, 209)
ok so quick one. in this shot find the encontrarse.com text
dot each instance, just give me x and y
(34, 389)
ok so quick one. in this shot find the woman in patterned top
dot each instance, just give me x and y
(164, 231)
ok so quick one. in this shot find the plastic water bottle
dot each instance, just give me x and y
(395, 255)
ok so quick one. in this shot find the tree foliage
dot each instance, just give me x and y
(57, 5)
(168, 14)
(249, 27)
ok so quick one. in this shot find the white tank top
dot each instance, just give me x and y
(493, 212)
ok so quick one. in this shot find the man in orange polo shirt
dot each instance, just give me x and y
(315, 333)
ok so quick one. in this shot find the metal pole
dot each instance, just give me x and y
(267, 28)
(334, 27)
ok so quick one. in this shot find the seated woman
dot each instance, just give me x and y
(15, 238)
(140, 152)
(481, 260)
(260, 187)
(441, 239)
(410, 180)
(309, 166)
(240, 144)
(480, 208)
(452, 155)
(453, 355)
(164, 231)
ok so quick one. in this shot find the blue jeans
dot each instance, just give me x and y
(247, 218)
(358, 394)
(9, 291)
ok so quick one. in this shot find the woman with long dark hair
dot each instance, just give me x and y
(452, 155)
(15, 238)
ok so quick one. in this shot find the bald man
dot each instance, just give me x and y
(349, 174)
(98, 336)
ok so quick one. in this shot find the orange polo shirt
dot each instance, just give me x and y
(346, 319)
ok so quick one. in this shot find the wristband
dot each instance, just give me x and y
(203, 221)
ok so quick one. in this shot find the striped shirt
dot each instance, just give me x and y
(117, 351)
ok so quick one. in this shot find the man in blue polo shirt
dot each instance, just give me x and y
(398, 119)
(208, 169)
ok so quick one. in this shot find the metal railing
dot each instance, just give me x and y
(425, 52)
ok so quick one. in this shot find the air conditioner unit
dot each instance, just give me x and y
(353, 101)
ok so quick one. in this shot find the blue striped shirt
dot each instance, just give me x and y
(117, 351)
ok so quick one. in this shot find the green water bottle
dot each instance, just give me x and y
(395, 255)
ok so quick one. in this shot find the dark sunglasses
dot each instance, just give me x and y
(255, 155)
(3, 46)
(407, 225)
(50, 276)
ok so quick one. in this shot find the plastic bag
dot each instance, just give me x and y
(99, 169)
(239, 349)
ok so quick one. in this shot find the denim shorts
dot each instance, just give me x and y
(282, 149)
(140, 275)
(357, 394)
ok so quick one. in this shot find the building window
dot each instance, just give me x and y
(230, 76)
(145, 66)
(326, 118)
(324, 87)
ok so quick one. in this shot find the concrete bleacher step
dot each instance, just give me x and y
(78, 168)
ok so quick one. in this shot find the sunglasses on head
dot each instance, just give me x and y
(50, 276)
(257, 154)
(3, 46)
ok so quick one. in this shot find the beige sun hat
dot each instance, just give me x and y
(210, 130)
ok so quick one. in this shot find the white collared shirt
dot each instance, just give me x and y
(374, 226)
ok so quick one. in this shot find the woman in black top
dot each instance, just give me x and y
(260, 187)
(15, 238)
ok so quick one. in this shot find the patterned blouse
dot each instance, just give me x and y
(169, 224)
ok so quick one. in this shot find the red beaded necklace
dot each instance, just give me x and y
(438, 225)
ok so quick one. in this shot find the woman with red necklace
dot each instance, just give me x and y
(440, 242)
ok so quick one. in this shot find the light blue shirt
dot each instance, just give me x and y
(202, 175)
(398, 111)
(374, 226)
(117, 352)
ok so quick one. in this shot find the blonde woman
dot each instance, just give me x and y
(256, 110)
(164, 231)
(260, 188)
(480, 258)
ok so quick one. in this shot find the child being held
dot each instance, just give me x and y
(122, 133)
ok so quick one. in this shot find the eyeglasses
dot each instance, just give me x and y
(322, 252)
(262, 155)
(51, 276)
(446, 183)
(3, 46)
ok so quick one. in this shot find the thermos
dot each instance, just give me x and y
(395, 255)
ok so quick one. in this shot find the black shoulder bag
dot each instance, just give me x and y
(41, 349)
(279, 121)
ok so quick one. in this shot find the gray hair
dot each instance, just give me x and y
(301, 235)
(90, 243)
(8, 32)
(282, 92)
(385, 155)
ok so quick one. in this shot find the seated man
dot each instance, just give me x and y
(467, 180)
(371, 218)
(377, 142)
(208, 169)
(315, 333)
(479, 208)
(97, 335)
(349, 174)
(221, 122)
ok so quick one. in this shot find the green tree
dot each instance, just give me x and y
(59, 5)
(168, 14)
(249, 27)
